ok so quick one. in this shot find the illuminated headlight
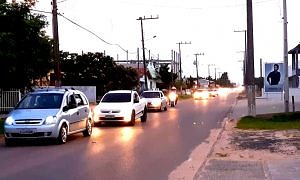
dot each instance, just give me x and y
(156, 102)
(126, 114)
(9, 121)
(196, 95)
(172, 96)
(50, 120)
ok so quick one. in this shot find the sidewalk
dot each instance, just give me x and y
(254, 155)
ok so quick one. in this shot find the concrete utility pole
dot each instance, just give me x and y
(250, 62)
(143, 47)
(180, 69)
(56, 44)
(196, 63)
(285, 55)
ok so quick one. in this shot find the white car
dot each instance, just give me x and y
(155, 99)
(120, 106)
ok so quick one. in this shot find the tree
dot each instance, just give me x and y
(25, 50)
(95, 69)
(224, 81)
(167, 77)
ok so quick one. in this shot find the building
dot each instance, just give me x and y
(294, 79)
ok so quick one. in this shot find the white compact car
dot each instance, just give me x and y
(49, 113)
(120, 106)
(155, 99)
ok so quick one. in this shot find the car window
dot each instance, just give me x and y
(72, 103)
(150, 94)
(79, 100)
(116, 97)
(41, 101)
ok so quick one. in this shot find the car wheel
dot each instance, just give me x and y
(144, 117)
(88, 130)
(63, 134)
(132, 121)
(161, 108)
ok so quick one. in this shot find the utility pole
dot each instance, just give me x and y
(180, 69)
(196, 63)
(56, 44)
(250, 62)
(143, 47)
(285, 55)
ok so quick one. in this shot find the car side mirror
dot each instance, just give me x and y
(65, 108)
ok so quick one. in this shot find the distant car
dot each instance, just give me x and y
(156, 100)
(120, 106)
(49, 113)
(201, 94)
(213, 92)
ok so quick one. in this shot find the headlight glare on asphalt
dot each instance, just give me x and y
(50, 120)
(9, 121)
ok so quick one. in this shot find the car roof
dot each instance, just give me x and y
(121, 91)
(54, 90)
(152, 91)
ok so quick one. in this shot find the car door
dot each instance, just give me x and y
(163, 99)
(73, 113)
(83, 110)
(137, 105)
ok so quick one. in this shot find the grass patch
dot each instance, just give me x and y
(277, 121)
(1, 126)
(184, 96)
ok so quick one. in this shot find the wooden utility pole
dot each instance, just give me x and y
(180, 69)
(56, 44)
(285, 55)
(196, 63)
(250, 62)
(143, 48)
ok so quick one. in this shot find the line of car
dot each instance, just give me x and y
(57, 113)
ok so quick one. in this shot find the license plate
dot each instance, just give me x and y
(27, 131)
(109, 116)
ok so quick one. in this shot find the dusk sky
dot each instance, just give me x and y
(208, 25)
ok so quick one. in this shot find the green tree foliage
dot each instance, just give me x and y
(224, 80)
(95, 69)
(167, 77)
(190, 82)
(25, 50)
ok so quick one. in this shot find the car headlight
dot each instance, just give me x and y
(50, 120)
(9, 121)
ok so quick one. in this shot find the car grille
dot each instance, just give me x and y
(28, 121)
(110, 111)
(115, 118)
(37, 134)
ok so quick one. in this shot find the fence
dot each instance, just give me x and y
(8, 99)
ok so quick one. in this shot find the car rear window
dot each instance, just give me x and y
(150, 94)
(117, 97)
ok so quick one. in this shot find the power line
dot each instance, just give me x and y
(73, 22)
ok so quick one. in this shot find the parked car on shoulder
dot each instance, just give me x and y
(49, 113)
(156, 100)
(121, 106)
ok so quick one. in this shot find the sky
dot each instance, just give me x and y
(208, 25)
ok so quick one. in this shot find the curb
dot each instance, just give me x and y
(198, 173)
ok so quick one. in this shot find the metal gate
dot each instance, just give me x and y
(8, 99)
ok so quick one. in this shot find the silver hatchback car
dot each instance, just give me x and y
(49, 113)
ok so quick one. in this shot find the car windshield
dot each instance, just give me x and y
(117, 97)
(150, 94)
(41, 101)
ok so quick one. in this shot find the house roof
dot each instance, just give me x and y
(295, 50)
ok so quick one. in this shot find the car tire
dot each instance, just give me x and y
(132, 121)
(166, 108)
(89, 129)
(144, 116)
(161, 108)
(63, 134)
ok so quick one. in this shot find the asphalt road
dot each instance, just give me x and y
(148, 150)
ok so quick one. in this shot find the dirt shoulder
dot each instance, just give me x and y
(256, 145)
